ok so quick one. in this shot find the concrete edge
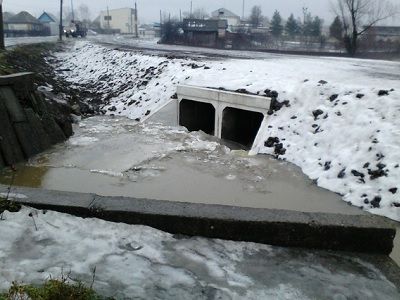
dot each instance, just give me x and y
(266, 226)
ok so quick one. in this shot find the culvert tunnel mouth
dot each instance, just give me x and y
(197, 116)
(241, 126)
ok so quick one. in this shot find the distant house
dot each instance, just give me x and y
(50, 22)
(24, 24)
(121, 20)
(224, 14)
(6, 17)
(207, 33)
(149, 31)
(385, 33)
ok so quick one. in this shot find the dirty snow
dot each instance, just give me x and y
(143, 263)
(356, 135)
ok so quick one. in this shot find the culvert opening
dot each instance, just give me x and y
(241, 126)
(197, 116)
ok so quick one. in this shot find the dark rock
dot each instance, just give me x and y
(360, 96)
(271, 142)
(314, 125)
(342, 173)
(131, 102)
(366, 201)
(376, 202)
(396, 166)
(112, 108)
(242, 91)
(271, 94)
(207, 68)
(381, 166)
(393, 190)
(333, 97)
(276, 105)
(293, 117)
(327, 165)
(357, 174)
(279, 150)
(374, 174)
(147, 112)
(137, 119)
(174, 96)
(383, 93)
(380, 156)
(317, 113)
(366, 165)
(323, 82)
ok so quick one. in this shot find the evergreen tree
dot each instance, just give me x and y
(336, 29)
(292, 27)
(316, 27)
(276, 24)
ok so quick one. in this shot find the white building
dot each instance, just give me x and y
(224, 14)
(122, 20)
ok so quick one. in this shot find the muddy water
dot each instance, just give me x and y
(118, 157)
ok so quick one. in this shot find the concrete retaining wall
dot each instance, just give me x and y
(27, 125)
(360, 233)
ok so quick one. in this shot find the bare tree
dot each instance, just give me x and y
(256, 16)
(198, 13)
(84, 12)
(358, 16)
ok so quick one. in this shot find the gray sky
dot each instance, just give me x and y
(149, 10)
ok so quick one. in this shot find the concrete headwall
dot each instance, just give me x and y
(28, 125)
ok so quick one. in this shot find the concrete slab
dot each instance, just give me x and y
(73, 203)
(273, 227)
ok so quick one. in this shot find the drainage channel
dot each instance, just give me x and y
(117, 157)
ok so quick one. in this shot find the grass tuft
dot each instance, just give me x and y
(59, 289)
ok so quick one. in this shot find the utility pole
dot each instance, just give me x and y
(2, 45)
(72, 10)
(243, 9)
(191, 9)
(180, 15)
(136, 21)
(61, 21)
(108, 18)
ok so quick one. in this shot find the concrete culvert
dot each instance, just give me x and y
(197, 116)
(240, 125)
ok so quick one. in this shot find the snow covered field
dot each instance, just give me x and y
(338, 129)
(138, 262)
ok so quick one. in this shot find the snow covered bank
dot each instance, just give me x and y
(143, 263)
(342, 127)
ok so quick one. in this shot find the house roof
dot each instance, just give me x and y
(7, 16)
(223, 12)
(47, 18)
(23, 18)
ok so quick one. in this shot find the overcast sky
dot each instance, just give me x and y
(149, 10)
